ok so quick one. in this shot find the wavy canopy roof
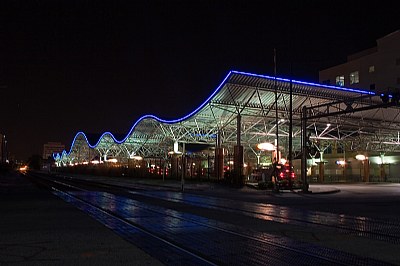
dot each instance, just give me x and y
(253, 97)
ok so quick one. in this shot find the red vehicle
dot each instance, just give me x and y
(285, 178)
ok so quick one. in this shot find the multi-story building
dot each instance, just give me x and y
(2, 149)
(376, 69)
(52, 147)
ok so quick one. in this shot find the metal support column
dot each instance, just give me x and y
(238, 154)
(304, 149)
(183, 167)
(290, 155)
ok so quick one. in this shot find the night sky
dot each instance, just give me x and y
(95, 66)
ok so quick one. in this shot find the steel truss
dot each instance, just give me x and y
(253, 98)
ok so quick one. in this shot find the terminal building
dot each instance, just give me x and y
(52, 147)
(331, 132)
(3, 149)
(376, 69)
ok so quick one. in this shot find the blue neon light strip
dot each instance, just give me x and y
(307, 83)
(57, 156)
(64, 153)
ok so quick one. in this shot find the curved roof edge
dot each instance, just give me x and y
(150, 116)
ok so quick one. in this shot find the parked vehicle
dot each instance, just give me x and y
(285, 178)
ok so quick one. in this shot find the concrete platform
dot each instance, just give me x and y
(38, 228)
(314, 189)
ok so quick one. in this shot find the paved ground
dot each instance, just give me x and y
(37, 228)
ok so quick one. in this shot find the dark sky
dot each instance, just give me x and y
(95, 66)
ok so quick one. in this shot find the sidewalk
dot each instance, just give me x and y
(37, 228)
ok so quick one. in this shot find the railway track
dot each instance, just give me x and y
(174, 235)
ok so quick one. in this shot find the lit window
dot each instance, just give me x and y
(340, 81)
(371, 69)
(354, 78)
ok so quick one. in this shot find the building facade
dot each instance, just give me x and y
(376, 69)
(52, 147)
(2, 149)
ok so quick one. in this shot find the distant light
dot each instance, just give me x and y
(85, 162)
(328, 125)
(176, 147)
(283, 161)
(340, 162)
(113, 160)
(266, 146)
(173, 152)
(137, 157)
(95, 162)
(23, 168)
(361, 157)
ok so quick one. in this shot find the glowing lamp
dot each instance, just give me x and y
(137, 157)
(266, 146)
(360, 157)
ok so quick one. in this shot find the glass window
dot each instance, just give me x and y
(371, 69)
(340, 81)
(372, 87)
(354, 78)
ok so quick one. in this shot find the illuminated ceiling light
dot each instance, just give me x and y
(361, 157)
(173, 152)
(176, 147)
(328, 125)
(266, 146)
(112, 160)
(137, 157)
